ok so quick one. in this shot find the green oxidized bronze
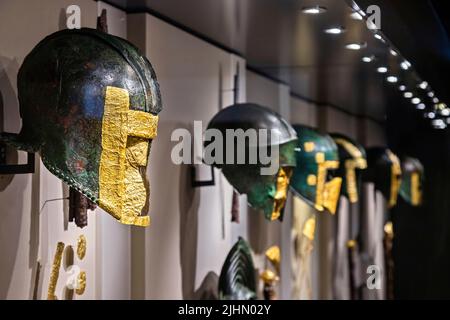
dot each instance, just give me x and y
(412, 181)
(384, 170)
(266, 192)
(89, 103)
(316, 155)
(237, 279)
(352, 159)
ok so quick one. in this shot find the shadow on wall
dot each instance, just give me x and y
(189, 202)
(262, 233)
(8, 101)
(62, 19)
(11, 217)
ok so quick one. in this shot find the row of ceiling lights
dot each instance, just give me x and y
(405, 65)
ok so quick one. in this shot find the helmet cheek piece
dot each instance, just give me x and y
(282, 186)
(396, 174)
(416, 189)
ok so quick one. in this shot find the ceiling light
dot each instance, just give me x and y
(368, 59)
(445, 112)
(355, 46)
(405, 65)
(423, 85)
(408, 95)
(430, 115)
(430, 94)
(421, 106)
(402, 87)
(415, 100)
(314, 10)
(392, 79)
(435, 100)
(335, 30)
(393, 52)
(357, 15)
(382, 70)
(438, 124)
(377, 36)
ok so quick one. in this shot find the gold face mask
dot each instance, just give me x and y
(126, 134)
(357, 162)
(327, 193)
(283, 178)
(396, 173)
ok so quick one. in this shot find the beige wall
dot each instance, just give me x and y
(303, 112)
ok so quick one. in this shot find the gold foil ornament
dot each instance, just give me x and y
(125, 146)
(282, 186)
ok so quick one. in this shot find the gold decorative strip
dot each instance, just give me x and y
(416, 193)
(54, 275)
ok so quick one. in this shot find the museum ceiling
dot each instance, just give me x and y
(281, 39)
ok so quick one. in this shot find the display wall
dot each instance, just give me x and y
(191, 230)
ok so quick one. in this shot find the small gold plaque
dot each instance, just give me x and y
(309, 146)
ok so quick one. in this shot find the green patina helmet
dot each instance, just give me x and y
(317, 155)
(412, 181)
(384, 170)
(237, 279)
(352, 160)
(89, 103)
(266, 192)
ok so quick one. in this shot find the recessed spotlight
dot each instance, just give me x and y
(355, 46)
(430, 94)
(382, 70)
(402, 87)
(438, 124)
(357, 15)
(421, 106)
(415, 100)
(393, 52)
(405, 65)
(368, 59)
(435, 100)
(335, 30)
(430, 115)
(445, 112)
(423, 85)
(408, 95)
(392, 79)
(314, 10)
